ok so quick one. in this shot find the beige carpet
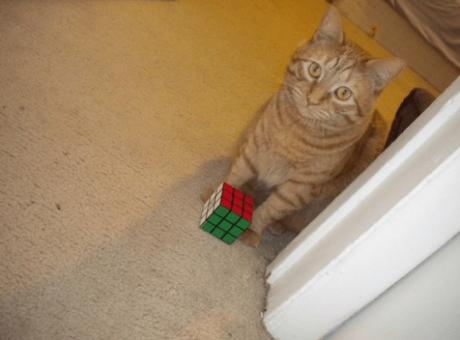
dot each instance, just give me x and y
(114, 115)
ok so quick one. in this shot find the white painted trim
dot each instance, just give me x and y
(371, 235)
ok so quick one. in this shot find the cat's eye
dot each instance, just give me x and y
(314, 70)
(343, 93)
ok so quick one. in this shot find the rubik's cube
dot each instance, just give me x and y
(227, 214)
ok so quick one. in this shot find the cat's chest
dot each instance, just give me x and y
(276, 164)
(273, 169)
(287, 156)
(294, 147)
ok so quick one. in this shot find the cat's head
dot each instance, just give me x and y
(335, 82)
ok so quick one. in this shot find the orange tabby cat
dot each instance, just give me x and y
(317, 133)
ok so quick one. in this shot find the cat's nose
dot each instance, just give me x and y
(317, 95)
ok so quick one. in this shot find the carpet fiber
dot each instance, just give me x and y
(114, 116)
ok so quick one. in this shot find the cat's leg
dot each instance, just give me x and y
(241, 171)
(284, 200)
(297, 221)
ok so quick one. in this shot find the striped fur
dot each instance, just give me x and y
(307, 144)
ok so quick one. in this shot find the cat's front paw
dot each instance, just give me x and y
(250, 238)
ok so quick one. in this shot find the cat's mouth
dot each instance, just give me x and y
(298, 97)
(313, 113)
(317, 113)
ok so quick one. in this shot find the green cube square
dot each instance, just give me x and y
(225, 225)
(229, 239)
(214, 219)
(208, 226)
(218, 232)
(221, 211)
(232, 218)
(227, 214)
(235, 231)
(243, 224)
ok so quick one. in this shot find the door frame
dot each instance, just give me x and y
(398, 212)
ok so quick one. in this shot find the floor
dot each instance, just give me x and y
(114, 116)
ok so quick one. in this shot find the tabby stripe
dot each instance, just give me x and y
(342, 143)
(278, 120)
(276, 212)
(297, 181)
(311, 179)
(262, 126)
(340, 62)
(313, 173)
(301, 198)
(301, 59)
(334, 135)
(255, 135)
(331, 127)
(326, 150)
(284, 199)
(325, 146)
(348, 67)
(310, 89)
(291, 72)
(336, 62)
(278, 111)
(348, 76)
(270, 213)
(255, 140)
(360, 112)
(348, 119)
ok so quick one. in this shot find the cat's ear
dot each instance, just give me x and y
(382, 71)
(330, 28)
